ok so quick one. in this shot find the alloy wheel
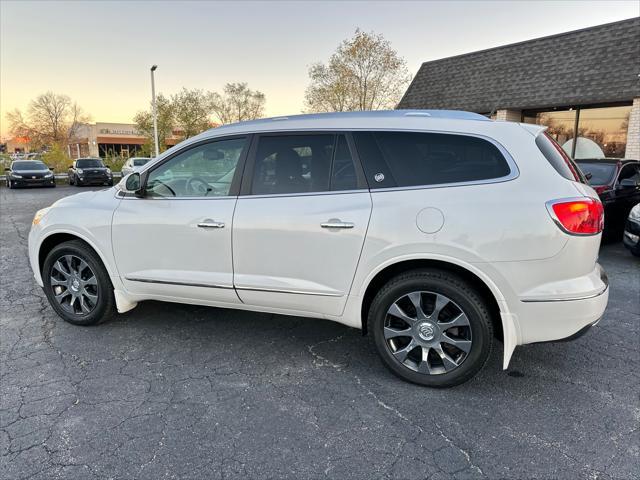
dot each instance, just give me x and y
(427, 332)
(74, 285)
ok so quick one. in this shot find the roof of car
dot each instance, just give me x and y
(452, 120)
(27, 161)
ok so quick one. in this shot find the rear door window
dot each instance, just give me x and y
(407, 159)
(306, 163)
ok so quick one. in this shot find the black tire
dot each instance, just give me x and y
(9, 184)
(104, 307)
(70, 180)
(110, 183)
(77, 182)
(463, 297)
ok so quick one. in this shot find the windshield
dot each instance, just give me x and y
(601, 173)
(29, 165)
(138, 162)
(89, 162)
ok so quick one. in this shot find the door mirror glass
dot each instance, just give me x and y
(132, 183)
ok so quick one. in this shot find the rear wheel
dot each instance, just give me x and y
(77, 285)
(431, 327)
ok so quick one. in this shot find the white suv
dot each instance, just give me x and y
(432, 231)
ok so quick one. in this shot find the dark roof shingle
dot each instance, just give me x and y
(590, 66)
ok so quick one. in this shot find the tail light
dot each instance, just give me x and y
(580, 216)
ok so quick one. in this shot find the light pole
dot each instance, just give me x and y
(155, 111)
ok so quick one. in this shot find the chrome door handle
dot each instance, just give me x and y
(337, 224)
(211, 224)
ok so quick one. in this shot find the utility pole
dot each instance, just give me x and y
(155, 111)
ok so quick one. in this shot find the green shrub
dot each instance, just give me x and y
(57, 158)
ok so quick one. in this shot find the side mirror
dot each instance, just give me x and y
(52, 169)
(7, 169)
(133, 184)
(588, 175)
(628, 183)
(70, 166)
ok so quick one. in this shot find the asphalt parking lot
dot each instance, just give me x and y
(174, 391)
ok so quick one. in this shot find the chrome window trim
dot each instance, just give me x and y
(305, 194)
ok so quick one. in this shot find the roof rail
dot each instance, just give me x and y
(442, 114)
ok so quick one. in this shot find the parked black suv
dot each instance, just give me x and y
(617, 182)
(89, 171)
(29, 173)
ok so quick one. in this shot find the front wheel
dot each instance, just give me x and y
(77, 285)
(431, 327)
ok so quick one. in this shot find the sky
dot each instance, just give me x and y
(99, 52)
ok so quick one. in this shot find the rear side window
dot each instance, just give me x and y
(407, 159)
(558, 159)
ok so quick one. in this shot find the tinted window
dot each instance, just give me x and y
(410, 159)
(630, 171)
(343, 174)
(28, 165)
(202, 171)
(601, 173)
(559, 160)
(292, 164)
(89, 163)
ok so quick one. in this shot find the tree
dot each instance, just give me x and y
(166, 121)
(364, 73)
(51, 119)
(237, 103)
(191, 111)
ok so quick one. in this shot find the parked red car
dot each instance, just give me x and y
(617, 182)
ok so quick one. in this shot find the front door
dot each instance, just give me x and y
(299, 230)
(176, 241)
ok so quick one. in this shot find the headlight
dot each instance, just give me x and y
(635, 213)
(108, 171)
(49, 175)
(79, 170)
(39, 215)
(15, 175)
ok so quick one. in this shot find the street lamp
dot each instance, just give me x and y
(155, 111)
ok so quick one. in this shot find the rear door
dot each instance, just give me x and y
(300, 222)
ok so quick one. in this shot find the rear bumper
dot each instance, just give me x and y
(562, 318)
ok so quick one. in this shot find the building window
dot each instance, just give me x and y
(602, 132)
